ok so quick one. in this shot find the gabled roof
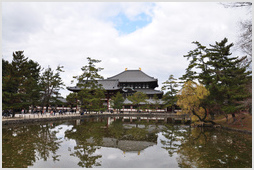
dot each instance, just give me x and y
(133, 76)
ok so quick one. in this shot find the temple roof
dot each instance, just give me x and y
(127, 76)
(149, 91)
(133, 76)
(109, 84)
(106, 84)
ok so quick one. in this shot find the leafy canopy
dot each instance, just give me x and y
(190, 98)
(92, 93)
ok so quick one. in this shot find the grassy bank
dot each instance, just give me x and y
(243, 122)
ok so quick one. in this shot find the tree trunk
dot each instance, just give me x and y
(203, 119)
(47, 107)
(13, 113)
(233, 116)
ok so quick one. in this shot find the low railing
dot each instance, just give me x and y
(51, 115)
(39, 115)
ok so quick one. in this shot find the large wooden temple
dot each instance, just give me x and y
(128, 82)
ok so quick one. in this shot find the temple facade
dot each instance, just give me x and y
(128, 82)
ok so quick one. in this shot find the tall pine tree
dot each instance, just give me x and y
(92, 92)
(117, 101)
(169, 97)
(50, 82)
(223, 75)
(20, 83)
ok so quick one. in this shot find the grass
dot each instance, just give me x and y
(243, 121)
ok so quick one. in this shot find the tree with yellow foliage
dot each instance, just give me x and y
(190, 99)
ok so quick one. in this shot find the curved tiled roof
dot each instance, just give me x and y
(149, 91)
(106, 84)
(109, 84)
(133, 76)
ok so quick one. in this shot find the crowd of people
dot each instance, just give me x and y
(54, 111)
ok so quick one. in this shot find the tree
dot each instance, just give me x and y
(190, 99)
(20, 83)
(244, 42)
(224, 76)
(72, 99)
(245, 38)
(155, 103)
(51, 83)
(117, 101)
(32, 84)
(92, 93)
(137, 98)
(236, 4)
(169, 97)
(97, 100)
(9, 86)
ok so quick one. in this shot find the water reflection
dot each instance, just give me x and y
(215, 148)
(23, 145)
(118, 142)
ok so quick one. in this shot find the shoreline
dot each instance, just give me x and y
(238, 130)
(30, 118)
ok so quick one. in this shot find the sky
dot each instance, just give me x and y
(153, 36)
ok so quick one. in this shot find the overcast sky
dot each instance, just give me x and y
(152, 36)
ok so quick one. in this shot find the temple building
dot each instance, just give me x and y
(128, 82)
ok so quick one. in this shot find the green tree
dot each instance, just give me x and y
(51, 82)
(20, 83)
(92, 93)
(97, 100)
(169, 97)
(224, 76)
(32, 84)
(155, 103)
(137, 98)
(117, 101)
(9, 87)
(72, 99)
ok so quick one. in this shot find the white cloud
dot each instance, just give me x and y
(65, 33)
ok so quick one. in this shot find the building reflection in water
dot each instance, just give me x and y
(115, 141)
(136, 134)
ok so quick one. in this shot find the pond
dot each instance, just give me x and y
(117, 142)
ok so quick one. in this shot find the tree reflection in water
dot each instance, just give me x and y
(84, 149)
(26, 145)
(21, 143)
(208, 148)
(174, 134)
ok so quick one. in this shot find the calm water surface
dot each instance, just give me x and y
(122, 143)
